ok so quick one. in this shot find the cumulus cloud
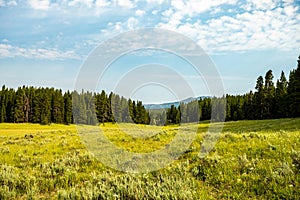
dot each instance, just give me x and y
(267, 26)
(9, 51)
(8, 3)
(193, 7)
(155, 1)
(12, 3)
(217, 25)
(93, 5)
(87, 3)
(39, 4)
(132, 23)
(102, 3)
(260, 5)
(139, 13)
(125, 3)
(119, 27)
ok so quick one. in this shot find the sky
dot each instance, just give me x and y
(46, 42)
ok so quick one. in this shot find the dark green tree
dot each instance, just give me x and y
(57, 107)
(269, 91)
(68, 115)
(259, 97)
(281, 106)
(79, 108)
(294, 91)
(21, 106)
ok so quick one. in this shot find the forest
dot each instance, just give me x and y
(50, 105)
(269, 101)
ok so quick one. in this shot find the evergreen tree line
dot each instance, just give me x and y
(49, 105)
(269, 101)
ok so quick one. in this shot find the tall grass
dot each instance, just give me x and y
(251, 160)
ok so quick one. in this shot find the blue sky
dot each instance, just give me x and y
(45, 42)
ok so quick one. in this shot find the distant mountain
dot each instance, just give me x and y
(168, 105)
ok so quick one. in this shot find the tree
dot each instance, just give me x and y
(57, 107)
(79, 108)
(3, 104)
(269, 91)
(294, 91)
(205, 108)
(248, 107)
(68, 118)
(172, 115)
(116, 108)
(19, 106)
(281, 97)
(259, 97)
(102, 107)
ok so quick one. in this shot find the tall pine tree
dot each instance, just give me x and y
(294, 91)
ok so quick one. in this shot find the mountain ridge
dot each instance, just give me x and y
(175, 103)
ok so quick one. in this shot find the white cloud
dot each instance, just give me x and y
(125, 3)
(195, 7)
(9, 51)
(112, 29)
(39, 4)
(132, 23)
(67, 6)
(257, 30)
(154, 12)
(102, 3)
(290, 10)
(119, 27)
(4, 50)
(8, 3)
(262, 5)
(140, 13)
(155, 1)
(251, 25)
(86, 3)
(12, 3)
(190, 9)
(167, 13)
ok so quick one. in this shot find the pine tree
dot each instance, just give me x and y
(102, 107)
(248, 108)
(57, 107)
(68, 108)
(116, 107)
(124, 107)
(79, 108)
(45, 105)
(259, 98)
(294, 91)
(19, 115)
(90, 108)
(3, 104)
(131, 105)
(281, 97)
(269, 95)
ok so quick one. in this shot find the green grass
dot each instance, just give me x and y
(251, 160)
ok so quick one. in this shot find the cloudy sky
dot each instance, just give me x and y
(45, 42)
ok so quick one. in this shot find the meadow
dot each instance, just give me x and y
(251, 160)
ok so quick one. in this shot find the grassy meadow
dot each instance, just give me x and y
(251, 160)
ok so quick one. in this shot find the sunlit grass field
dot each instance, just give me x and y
(251, 160)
